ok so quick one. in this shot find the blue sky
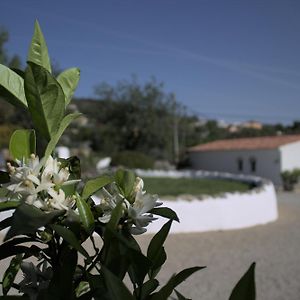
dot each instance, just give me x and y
(228, 59)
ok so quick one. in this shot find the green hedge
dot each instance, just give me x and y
(290, 178)
(132, 160)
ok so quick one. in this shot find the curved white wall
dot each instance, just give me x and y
(223, 212)
(230, 211)
(227, 211)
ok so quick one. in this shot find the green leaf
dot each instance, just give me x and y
(167, 290)
(4, 177)
(114, 257)
(5, 223)
(4, 192)
(98, 288)
(21, 73)
(94, 185)
(139, 266)
(38, 51)
(27, 219)
(62, 285)
(7, 205)
(13, 251)
(156, 252)
(111, 255)
(10, 274)
(45, 98)
(22, 144)
(116, 288)
(82, 288)
(14, 297)
(125, 180)
(68, 80)
(62, 127)
(73, 164)
(158, 262)
(157, 241)
(69, 237)
(180, 296)
(119, 254)
(245, 288)
(165, 212)
(85, 214)
(12, 87)
(115, 216)
(13, 247)
(147, 288)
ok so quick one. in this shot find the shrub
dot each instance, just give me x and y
(132, 160)
(290, 179)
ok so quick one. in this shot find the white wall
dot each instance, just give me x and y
(290, 156)
(228, 211)
(267, 162)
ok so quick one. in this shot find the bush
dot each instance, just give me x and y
(290, 179)
(132, 160)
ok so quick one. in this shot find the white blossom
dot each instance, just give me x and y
(24, 177)
(41, 184)
(137, 212)
(58, 200)
(107, 203)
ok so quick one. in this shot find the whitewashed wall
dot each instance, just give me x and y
(290, 156)
(229, 211)
(267, 162)
(226, 211)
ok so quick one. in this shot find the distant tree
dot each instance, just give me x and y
(15, 62)
(56, 68)
(5, 59)
(3, 52)
(295, 127)
(137, 117)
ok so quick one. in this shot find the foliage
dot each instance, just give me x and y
(290, 179)
(5, 59)
(54, 217)
(132, 160)
(245, 288)
(136, 117)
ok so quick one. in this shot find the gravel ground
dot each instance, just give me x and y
(275, 248)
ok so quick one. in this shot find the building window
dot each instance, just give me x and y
(240, 164)
(252, 162)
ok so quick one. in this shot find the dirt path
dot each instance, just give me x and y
(275, 247)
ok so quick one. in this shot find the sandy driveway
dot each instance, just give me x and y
(275, 247)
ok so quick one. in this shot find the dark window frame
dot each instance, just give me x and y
(240, 164)
(253, 164)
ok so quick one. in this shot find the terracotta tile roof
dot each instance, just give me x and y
(265, 142)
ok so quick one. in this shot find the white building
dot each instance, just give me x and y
(262, 156)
